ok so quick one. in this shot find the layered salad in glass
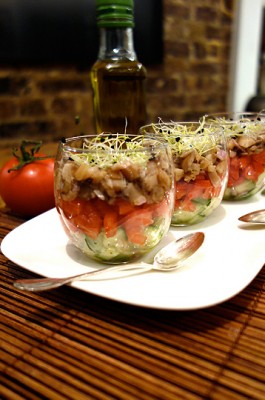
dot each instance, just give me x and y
(245, 134)
(114, 194)
(200, 168)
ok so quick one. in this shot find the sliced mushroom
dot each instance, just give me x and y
(246, 141)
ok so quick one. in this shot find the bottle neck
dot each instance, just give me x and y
(116, 44)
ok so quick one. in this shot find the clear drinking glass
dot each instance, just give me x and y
(200, 168)
(245, 134)
(114, 194)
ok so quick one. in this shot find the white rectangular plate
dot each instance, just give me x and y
(231, 256)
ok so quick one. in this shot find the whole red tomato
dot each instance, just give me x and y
(27, 181)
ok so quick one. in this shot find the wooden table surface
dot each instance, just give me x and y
(68, 344)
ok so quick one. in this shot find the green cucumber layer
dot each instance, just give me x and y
(244, 189)
(203, 209)
(117, 249)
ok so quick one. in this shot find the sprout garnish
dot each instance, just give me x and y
(243, 126)
(182, 137)
(105, 150)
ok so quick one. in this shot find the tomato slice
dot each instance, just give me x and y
(136, 236)
(188, 205)
(244, 162)
(93, 215)
(84, 215)
(89, 224)
(180, 193)
(124, 206)
(72, 208)
(159, 209)
(187, 192)
(135, 222)
(259, 157)
(110, 223)
(246, 167)
(101, 206)
(253, 171)
(234, 174)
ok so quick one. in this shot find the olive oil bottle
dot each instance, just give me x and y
(117, 77)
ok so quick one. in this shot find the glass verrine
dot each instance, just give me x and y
(245, 134)
(114, 194)
(200, 168)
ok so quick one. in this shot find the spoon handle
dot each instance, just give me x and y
(41, 284)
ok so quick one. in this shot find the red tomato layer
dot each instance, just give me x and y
(187, 192)
(246, 167)
(94, 215)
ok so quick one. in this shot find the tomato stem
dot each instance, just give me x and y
(27, 156)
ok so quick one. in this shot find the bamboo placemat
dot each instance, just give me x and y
(67, 344)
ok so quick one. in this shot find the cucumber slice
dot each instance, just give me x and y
(116, 248)
(204, 207)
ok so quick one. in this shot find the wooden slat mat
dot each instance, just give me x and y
(67, 344)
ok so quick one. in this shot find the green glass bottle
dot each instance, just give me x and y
(117, 77)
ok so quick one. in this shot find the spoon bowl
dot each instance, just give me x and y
(167, 259)
(254, 217)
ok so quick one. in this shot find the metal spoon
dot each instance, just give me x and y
(167, 259)
(255, 217)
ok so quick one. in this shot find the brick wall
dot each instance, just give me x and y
(38, 102)
(193, 79)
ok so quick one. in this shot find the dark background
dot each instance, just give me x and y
(42, 32)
